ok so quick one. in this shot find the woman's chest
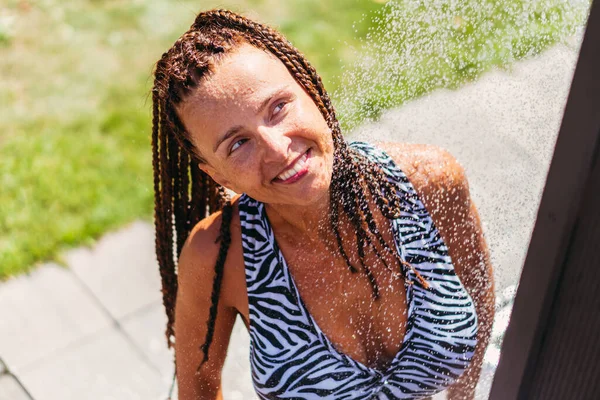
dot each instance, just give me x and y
(342, 305)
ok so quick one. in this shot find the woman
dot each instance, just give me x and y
(360, 271)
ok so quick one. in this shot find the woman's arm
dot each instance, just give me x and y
(195, 277)
(442, 185)
(477, 276)
(445, 194)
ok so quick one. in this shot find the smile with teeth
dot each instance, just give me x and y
(293, 170)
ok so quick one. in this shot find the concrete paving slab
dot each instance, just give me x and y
(11, 389)
(44, 312)
(237, 381)
(121, 269)
(147, 330)
(102, 367)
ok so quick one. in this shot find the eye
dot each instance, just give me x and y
(279, 107)
(236, 145)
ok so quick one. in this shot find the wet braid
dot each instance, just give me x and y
(185, 194)
(225, 239)
(167, 266)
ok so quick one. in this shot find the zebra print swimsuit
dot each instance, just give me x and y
(292, 359)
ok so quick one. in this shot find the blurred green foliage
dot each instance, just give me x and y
(75, 157)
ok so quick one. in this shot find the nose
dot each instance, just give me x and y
(275, 144)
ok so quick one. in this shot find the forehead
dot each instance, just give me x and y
(240, 79)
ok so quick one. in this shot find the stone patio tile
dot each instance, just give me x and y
(121, 269)
(101, 368)
(237, 381)
(11, 389)
(44, 312)
(147, 330)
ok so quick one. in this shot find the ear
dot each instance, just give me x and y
(215, 175)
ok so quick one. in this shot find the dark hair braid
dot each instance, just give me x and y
(225, 239)
(167, 266)
(184, 194)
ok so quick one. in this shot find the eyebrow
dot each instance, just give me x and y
(233, 130)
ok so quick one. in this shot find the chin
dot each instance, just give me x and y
(316, 195)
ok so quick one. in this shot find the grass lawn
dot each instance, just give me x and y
(75, 156)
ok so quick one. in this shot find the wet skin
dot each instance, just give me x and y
(276, 123)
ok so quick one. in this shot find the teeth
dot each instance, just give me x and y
(293, 170)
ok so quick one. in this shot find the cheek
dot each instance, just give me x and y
(309, 116)
(312, 113)
(243, 174)
(326, 143)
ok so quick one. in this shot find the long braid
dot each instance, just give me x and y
(353, 210)
(334, 219)
(382, 193)
(225, 239)
(165, 234)
(178, 212)
(186, 195)
(179, 71)
(159, 211)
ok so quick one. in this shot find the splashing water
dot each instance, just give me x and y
(422, 46)
(419, 46)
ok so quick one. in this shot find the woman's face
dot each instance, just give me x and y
(259, 132)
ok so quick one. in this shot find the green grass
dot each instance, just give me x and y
(75, 156)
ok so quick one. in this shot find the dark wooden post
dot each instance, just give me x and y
(552, 346)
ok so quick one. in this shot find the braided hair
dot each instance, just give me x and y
(184, 194)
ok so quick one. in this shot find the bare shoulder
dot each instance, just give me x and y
(441, 183)
(432, 170)
(200, 251)
(203, 237)
(202, 243)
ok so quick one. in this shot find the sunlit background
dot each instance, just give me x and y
(75, 160)
(75, 77)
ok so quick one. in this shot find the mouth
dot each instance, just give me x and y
(295, 171)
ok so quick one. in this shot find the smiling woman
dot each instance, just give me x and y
(360, 272)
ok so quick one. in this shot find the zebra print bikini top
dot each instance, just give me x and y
(290, 356)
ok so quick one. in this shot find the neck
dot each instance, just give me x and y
(311, 221)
